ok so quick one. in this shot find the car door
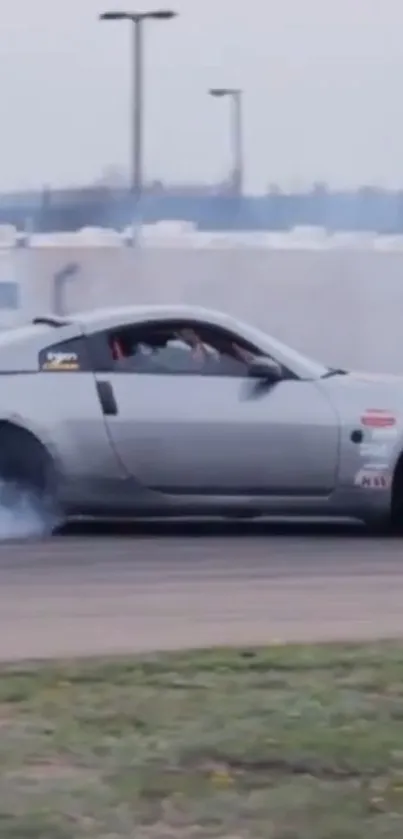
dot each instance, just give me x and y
(183, 430)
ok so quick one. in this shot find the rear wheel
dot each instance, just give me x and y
(27, 485)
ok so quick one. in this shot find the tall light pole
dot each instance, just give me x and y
(137, 106)
(235, 95)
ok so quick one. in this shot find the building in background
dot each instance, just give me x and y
(109, 203)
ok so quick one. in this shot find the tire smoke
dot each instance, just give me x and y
(24, 515)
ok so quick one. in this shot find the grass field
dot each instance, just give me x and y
(281, 743)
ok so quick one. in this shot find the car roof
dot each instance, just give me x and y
(103, 318)
(108, 318)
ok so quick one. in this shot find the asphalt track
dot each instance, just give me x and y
(135, 588)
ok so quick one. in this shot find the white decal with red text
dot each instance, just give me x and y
(372, 479)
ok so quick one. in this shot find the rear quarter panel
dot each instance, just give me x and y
(60, 408)
(63, 412)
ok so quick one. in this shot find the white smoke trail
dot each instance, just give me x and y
(24, 516)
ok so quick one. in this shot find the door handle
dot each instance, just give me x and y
(107, 399)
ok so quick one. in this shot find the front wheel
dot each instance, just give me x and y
(386, 525)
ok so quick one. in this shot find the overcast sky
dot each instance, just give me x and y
(323, 83)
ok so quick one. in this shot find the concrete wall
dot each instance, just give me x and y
(344, 307)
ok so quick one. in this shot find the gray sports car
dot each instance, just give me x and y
(177, 410)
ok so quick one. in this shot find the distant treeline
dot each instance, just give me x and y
(367, 208)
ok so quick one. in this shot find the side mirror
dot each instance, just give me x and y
(265, 369)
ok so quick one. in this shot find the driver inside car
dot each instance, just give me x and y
(183, 350)
(223, 357)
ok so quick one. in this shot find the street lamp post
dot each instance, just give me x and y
(137, 106)
(235, 94)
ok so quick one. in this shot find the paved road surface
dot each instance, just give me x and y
(165, 587)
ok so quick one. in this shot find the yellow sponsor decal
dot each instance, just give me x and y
(56, 361)
(65, 365)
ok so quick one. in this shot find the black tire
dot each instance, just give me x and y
(28, 494)
(396, 513)
(391, 525)
(380, 527)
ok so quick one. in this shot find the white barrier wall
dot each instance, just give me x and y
(345, 307)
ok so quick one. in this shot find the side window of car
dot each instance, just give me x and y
(232, 353)
(226, 354)
(156, 348)
(66, 356)
(173, 348)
